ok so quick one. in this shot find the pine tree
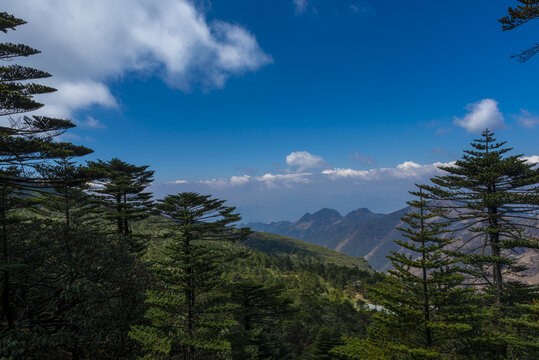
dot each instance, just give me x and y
(260, 311)
(26, 142)
(122, 189)
(519, 15)
(421, 299)
(69, 196)
(189, 314)
(326, 340)
(490, 198)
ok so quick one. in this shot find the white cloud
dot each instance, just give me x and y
(406, 170)
(76, 95)
(91, 122)
(86, 44)
(527, 120)
(482, 114)
(239, 180)
(300, 6)
(286, 180)
(178, 182)
(268, 180)
(534, 159)
(347, 173)
(304, 160)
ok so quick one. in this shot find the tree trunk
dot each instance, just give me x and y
(119, 221)
(426, 310)
(6, 305)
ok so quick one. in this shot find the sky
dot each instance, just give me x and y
(284, 106)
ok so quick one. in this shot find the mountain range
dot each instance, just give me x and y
(362, 233)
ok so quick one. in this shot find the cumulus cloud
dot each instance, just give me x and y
(481, 115)
(527, 120)
(87, 44)
(304, 160)
(407, 169)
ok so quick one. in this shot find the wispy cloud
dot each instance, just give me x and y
(481, 115)
(365, 160)
(527, 120)
(442, 152)
(300, 6)
(91, 123)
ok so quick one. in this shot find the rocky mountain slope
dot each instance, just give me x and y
(362, 233)
(359, 233)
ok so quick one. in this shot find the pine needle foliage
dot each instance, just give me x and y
(189, 314)
(421, 297)
(26, 143)
(491, 197)
(527, 10)
(122, 190)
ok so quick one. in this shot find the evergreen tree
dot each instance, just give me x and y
(421, 299)
(189, 314)
(26, 142)
(326, 340)
(490, 197)
(526, 10)
(260, 312)
(76, 296)
(122, 190)
(69, 195)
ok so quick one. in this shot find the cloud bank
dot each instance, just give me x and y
(88, 44)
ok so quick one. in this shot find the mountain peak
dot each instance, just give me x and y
(326, 212)
(322, 216)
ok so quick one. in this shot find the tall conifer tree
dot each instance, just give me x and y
(189, 314)
(26, 142)
(122, 188)
(421, 299)
(491, 198)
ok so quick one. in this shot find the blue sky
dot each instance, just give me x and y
(285, 106)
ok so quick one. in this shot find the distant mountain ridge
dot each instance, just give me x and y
(362, 233)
